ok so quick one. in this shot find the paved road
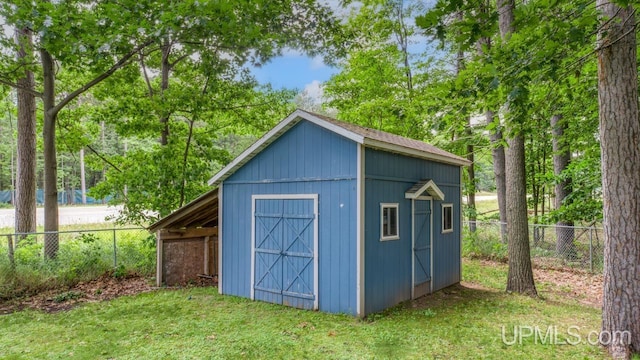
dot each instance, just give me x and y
(483, 197)
(68, 215)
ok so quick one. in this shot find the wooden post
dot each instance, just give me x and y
(10, 250)
(216, 255)
(158, 259)
(206, 255)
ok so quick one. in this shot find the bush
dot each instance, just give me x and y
(484, 243)
(82, 256)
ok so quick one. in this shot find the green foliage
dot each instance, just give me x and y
(7, 145)
(377, 86)
(170, 70)
(545, 68)
(120, 272)
(484, 172)
(484, 243)
(82, 257)
(199, 142)
(584, 204)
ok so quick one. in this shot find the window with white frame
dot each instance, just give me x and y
(447, 218)
(389, 228)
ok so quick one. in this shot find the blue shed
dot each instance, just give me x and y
(326, 215)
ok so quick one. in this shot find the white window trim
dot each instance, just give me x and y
(397, 235)
(446, 231)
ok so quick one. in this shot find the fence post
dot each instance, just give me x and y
(591, 249)
(10, 251)
(115, 250)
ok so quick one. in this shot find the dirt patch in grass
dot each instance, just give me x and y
(564, 282)
(458, 293)
(579, 285)
(106, 287)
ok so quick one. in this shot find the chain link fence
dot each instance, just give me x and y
(551, 245)
(33, 262)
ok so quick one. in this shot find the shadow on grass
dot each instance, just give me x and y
(462, 295)
(453, 296)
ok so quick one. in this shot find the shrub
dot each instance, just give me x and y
(82, 256)
(484, 243)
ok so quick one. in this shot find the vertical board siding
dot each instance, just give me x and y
(446, 246)
(305, 160)
(388, 263)
(305, 152)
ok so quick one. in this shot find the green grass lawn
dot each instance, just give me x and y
(487, 209)
(460, 322)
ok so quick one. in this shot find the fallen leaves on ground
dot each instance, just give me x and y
(106, 287)
(580, 285)
(576, 284)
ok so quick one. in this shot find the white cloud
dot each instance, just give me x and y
(313, 92)
(317, 63)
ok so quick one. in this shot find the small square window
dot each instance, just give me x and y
(447, 218)
(389, 228)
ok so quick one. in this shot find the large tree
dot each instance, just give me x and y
(620, 146)
(561, 159)
(378, 85)
(80, 36)
(25, 184)
(196, 90)
(468, 27)
(94, 40)
(520, 276)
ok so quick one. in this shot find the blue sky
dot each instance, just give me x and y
(293, 71)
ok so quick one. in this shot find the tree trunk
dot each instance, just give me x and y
(497, 153)
(535, 195)
(471, 191)
(164, 85)
(471, 184)
(50, 165)
(25, 202)
(125, 191)
(619, 143)
(495, 137)
(83, 179)
(561, 158)
(520, 276)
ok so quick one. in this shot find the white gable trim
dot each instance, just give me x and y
(331, 127)
(274, 134)
(430, 187)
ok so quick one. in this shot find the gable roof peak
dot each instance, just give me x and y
(372, 138)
